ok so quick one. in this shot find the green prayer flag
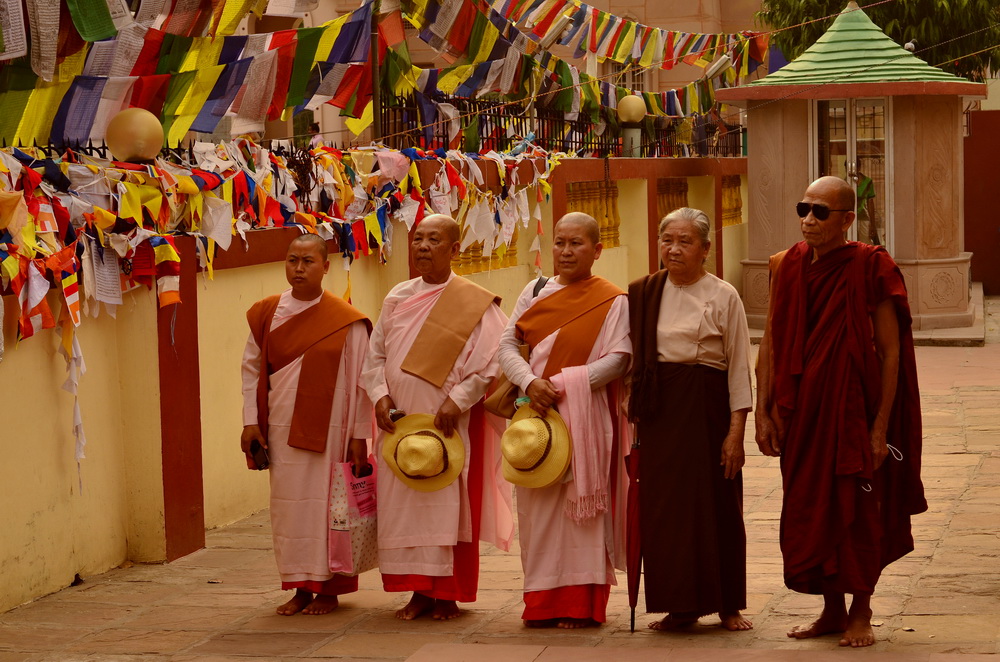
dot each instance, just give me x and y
(470, 138)
(305, 52)
(92, 19)
(172, 53)
(176, 90)
(17, 81)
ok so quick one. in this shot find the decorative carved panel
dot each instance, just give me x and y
(732, 201)
(600, 201)
(671, 194)
(937, 199)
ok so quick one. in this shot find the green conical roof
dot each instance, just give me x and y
(855, 50)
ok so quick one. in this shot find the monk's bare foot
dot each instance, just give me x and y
(322, 604)
(417, 606)
(541, 623)
(299, 601)
(576, 623)
(673, 622)
(827, 623)
(445, 610)
(735, 621)
(859, 630)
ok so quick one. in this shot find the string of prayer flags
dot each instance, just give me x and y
(608, 36)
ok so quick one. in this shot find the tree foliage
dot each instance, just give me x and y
(944, 29)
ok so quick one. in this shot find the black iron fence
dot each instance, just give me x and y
(484, 124)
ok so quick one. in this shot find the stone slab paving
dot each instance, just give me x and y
(939, 604)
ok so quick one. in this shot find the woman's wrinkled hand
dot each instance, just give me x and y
(733, 455)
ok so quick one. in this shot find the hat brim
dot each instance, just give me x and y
(454, 447)
(555, 464)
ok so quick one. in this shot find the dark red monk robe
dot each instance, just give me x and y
(841, 522)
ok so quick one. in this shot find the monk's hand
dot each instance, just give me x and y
(251, 433)
(357, 455)
(446, 418)
(733, 456)
(880, 447)
(382, 413)
(543, 394)
(766, 433)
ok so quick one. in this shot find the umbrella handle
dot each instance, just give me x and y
(632, 625)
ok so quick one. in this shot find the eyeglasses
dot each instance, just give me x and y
(821, 212)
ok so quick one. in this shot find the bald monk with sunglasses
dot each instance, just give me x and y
(837, 400)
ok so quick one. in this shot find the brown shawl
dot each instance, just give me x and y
(644, 297)
(447, 328)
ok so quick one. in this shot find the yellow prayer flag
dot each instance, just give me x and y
(331, 30)
(9, 267)
(486, 45)
(372, 227)
(414, 175)
(232, 15)
(449, 82)
(358, 125)
(103, 218)
(43, 103)
(194, 99)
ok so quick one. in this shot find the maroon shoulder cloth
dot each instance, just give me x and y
(842, 522)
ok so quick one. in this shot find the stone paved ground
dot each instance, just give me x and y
(940, 603)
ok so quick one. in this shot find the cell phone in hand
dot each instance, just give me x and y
(396, 414)
(259, 455)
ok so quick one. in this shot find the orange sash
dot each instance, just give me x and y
(452, 319)
(317, 334)
(578, 311)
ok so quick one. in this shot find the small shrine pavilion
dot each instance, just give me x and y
(857, 105)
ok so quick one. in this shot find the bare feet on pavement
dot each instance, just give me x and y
(735, 621)
(673, 622)
(859, 630)
(541, 623)
(322, 604)
(417, 606)
(827, 623)
(299, 601)
(445, 610)
(576, 623)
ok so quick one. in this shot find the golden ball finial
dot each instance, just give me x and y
(631, 109)
(134, 134)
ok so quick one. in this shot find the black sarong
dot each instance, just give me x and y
(693, 539)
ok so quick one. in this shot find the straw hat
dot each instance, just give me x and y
(421, 456)
(536, 449)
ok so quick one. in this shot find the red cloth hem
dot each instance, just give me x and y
(581, 601)
(337, 585)
(464, 583)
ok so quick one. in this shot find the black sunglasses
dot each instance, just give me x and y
(821, 212)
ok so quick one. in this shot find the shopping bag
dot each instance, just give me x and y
(353, 524)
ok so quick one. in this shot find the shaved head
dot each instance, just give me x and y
(590, 226)
(836, 190)
(312, 240)
(446, 224)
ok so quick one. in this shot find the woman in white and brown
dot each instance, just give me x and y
(690, 398)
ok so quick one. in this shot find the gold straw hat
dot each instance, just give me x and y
(421, 456)
(535, 449)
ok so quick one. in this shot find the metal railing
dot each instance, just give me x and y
(485, 125)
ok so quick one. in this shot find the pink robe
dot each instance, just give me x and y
(418, 530)
(555, 550)
(300, 479)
